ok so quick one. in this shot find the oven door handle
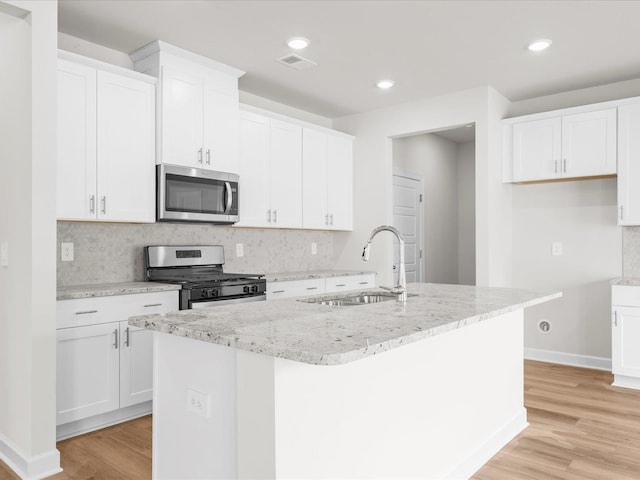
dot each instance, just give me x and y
(229, 203)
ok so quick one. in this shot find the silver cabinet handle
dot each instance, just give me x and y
(269, 216)
(326, 219)
(200, 156)
(85, 312)
(555, 166)
(615, 318)
(278, 291)
(92, 204)
(564, 163)
(153, 305)
(115, 336)
(275, 216)
(229, 202)
(331, 219)
(104, 205)
(312, 288)
(127, 339)
(208, 156)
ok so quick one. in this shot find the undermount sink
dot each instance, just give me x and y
(350, 300)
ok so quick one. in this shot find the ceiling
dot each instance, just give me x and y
(428, 47)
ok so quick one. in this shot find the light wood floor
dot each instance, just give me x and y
(580, 428)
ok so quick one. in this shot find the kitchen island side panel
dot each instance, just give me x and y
(437, 408)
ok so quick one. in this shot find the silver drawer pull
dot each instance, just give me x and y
(85, 312)
(278, 291)
(153, 305)
(312, 288)
(364, 283)
(341, 284)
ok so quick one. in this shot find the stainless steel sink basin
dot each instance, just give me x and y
(350, 300)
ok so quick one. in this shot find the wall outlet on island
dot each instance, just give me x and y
(314, 248)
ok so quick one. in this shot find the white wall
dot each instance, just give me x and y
(27, 224)
(466, 153)
(435, 159)
(373, 173)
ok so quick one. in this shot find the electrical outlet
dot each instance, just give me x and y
(4, 254)
(314, 248)
(239, 250)
(198, 403)
(66, 252)
(556, 249)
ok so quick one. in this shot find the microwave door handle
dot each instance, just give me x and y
(227, 187)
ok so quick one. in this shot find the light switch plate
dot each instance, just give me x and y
(4, 254)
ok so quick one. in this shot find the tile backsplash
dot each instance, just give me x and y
(631, 252)
(112, 252)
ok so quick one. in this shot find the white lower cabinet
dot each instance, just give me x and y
(103, 363)
(625, 336)
(317, 286)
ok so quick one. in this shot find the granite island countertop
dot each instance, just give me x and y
(73, 292)
(331, 335)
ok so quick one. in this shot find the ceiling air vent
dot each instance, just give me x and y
(296, 61)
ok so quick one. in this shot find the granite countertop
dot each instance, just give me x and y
(108, 289)
(629, 281)
(307, 275)
(328, 335)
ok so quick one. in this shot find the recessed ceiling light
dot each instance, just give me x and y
(385, 84)
(298, 43)
(539, 45)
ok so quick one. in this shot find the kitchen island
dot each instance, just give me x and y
(431, 388)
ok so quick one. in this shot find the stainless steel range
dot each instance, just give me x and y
(198, 268)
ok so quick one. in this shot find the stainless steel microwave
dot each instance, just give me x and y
(195, 195)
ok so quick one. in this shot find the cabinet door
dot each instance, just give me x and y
(625, 335)
(220, 129)
(87, 371)
(76, 167)
(340, 183)
(181, 118)
(629, 165)
(589, 144)
(285, 161)
(136, 365)
(314, 179)
(126, 153)
(254, 206)
(537, 150)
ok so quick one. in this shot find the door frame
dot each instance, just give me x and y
(420, 179)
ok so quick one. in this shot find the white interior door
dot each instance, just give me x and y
(408, 219)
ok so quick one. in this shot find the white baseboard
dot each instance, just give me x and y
(29, 468)
(585, 361)
(86, 425)
(472, 463)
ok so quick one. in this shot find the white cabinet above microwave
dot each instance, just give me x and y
(197, 107)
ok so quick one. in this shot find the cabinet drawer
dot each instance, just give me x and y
(295, 288)
(352, 282)
(96, 310)
(625, 295)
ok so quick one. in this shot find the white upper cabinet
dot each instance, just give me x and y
(327, 180)
(197, 107)
(270, 172)
(589, 144)
(629, 164)
(106, 150)
(561, 146)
